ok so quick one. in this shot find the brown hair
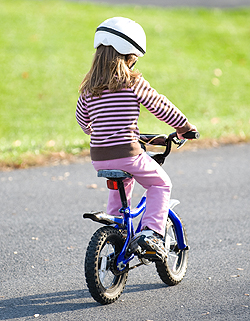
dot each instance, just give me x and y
(110, 70)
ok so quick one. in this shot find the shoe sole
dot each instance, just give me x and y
(150, 247)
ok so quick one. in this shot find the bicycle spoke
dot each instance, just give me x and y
(105, 275)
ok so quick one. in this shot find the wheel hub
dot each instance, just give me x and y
(117, 270)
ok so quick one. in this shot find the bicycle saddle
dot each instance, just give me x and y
(113, 173)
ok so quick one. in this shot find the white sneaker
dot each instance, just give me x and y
(152, 241)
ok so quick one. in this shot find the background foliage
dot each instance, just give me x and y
(199, 58)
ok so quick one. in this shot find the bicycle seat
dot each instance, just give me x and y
(113, 173)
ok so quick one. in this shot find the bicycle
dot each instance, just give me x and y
(113, 246)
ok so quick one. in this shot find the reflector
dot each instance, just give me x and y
(112, 184)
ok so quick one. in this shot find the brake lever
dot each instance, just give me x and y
(179, 142)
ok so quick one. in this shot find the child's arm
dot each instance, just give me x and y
(82, 116)
(161, 107)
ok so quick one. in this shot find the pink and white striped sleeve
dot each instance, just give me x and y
(158, 104)
(82, 116)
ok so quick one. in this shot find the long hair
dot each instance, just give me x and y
(110, 70)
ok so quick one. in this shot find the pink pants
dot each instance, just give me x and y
(152, 177)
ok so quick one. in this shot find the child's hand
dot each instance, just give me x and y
(183, 130)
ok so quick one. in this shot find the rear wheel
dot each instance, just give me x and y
(174, 267)
(104, 286)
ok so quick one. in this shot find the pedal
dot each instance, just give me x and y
(152, 256)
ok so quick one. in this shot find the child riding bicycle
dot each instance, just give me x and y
(108, 109)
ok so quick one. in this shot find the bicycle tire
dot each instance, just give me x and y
(174, 267)
(104, 286)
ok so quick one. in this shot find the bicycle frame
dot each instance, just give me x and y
(129, 215)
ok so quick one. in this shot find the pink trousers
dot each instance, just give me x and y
(152, 177)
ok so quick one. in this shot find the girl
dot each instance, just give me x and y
(108, 110)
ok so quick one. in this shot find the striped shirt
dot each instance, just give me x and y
(111, 119)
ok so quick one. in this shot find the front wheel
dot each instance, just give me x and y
(174, 267)
(104, 286)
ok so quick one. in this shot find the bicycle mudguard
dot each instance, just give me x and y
(173, 203)
(178, 228)
(104, 218)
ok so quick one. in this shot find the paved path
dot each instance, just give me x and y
(43, 240)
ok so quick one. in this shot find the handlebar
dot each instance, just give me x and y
(164, 140)
(191, 135)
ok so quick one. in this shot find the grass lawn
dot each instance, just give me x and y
(198, 58)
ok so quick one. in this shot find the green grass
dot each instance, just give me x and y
(199, 58)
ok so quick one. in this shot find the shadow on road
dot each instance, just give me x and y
(57, 302)
(43, 304)
(144, 287)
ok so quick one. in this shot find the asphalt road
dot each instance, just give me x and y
(43, 240)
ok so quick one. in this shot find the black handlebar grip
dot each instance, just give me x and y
(191, 135)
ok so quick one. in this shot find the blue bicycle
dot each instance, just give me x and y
(113, 247)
